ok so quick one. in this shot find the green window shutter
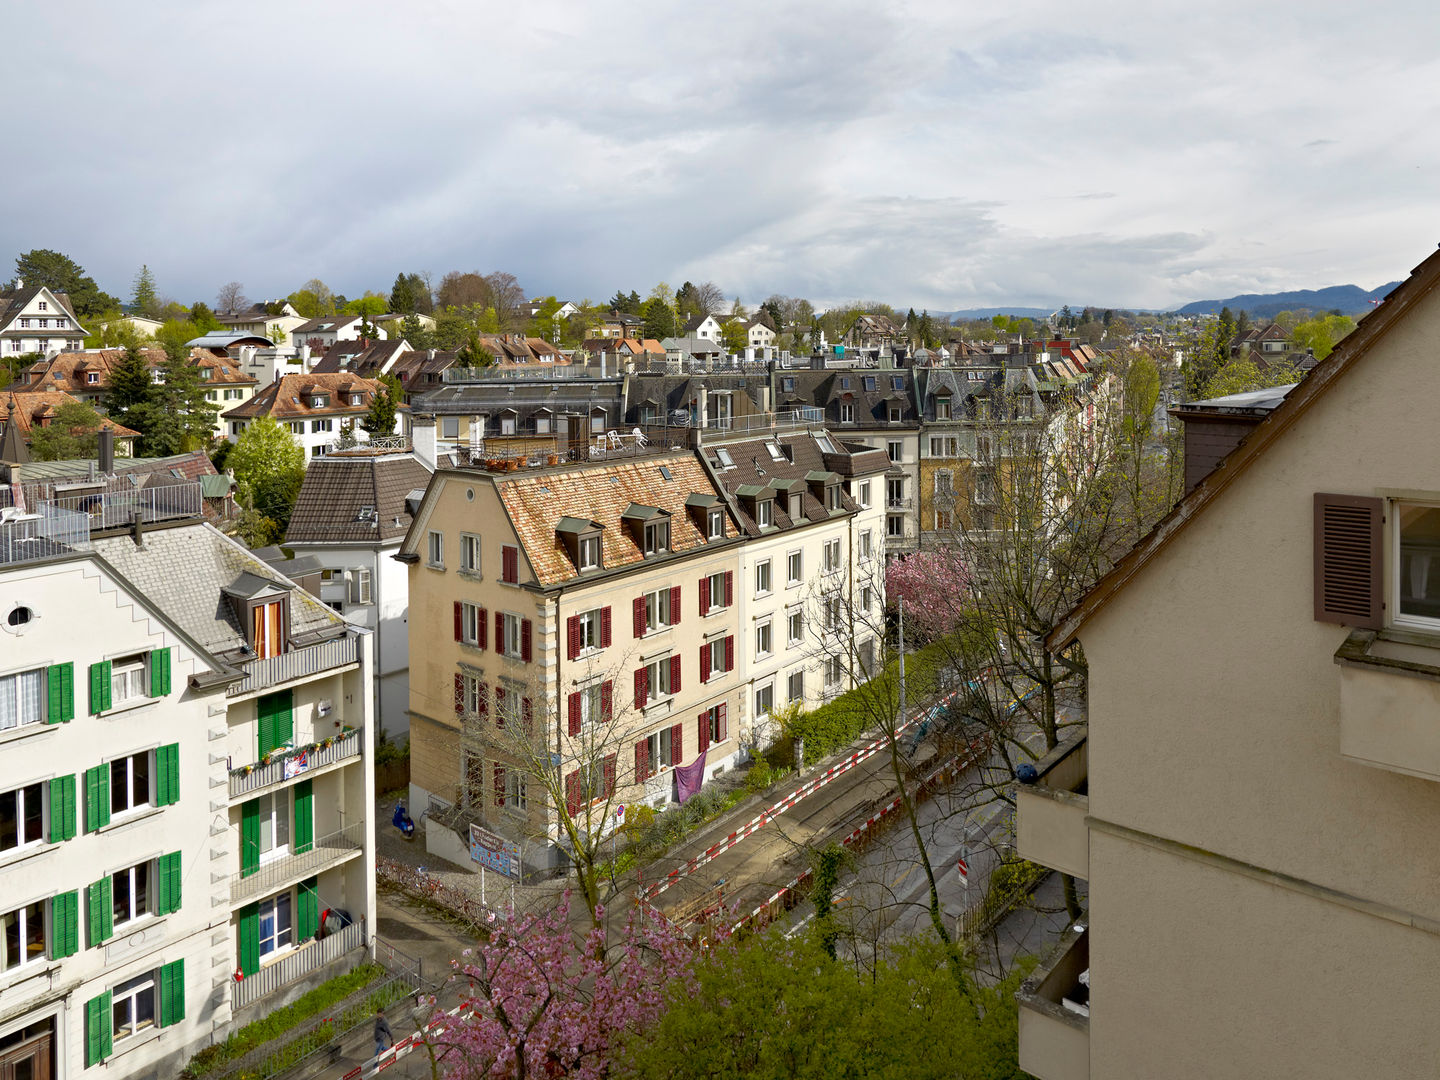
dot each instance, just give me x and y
(159, 672)
(265, 731)
(276, 720)
(167, 774)
(304, 816)
(60, 693)
(284, 718)
(309, 913)
(98, 1032)
(64, 925)
(97, 797)
(172, 993)
(250, 939)
(249, 837)
(101, 914)
(100, 686)
(169, 899)
(62, 808)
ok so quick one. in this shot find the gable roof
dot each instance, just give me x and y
(29, 410)
(1372, 328)
(288, 397)
(340, 488)
(15, 301)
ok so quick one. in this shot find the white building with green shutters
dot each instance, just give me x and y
(183, 793)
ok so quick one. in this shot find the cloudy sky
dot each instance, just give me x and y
(944, 155)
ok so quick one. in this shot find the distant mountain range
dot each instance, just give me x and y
(1350, 299)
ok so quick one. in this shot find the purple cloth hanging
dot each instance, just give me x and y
(688, 778)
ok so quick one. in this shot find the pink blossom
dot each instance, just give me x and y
(935, 585)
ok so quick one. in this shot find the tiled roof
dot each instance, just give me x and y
(325, 323)
(29, 409)
(14, 301)
(71, 371)
(358, 498)
(537, 502)
(755, 467)
(288, 397)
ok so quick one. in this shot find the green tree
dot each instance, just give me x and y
(112, 330)
(203, 318)
(380, 420)
(402, 295)
(60, 273)
(186, 415)
(145, 299)
(370, 304)
(1242, 375)
(313, 299)
(131, 392)
(474, 354)
(414, 332)
(659, 318)
(733, 336)
(73, 432)
(269, 468)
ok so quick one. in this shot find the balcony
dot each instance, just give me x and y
(297, 664)
(1389, 701)
(898, 502)
(308, 958)
(1050, 813)
(302, 761)
(269, 877)
(1055, 1013)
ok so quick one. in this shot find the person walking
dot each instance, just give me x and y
(383, 1038)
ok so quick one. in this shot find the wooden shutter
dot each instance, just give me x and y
(97, 797)
(304, 836)
(677, 744)
(527, 716)
(609, 771)
(249, 837)
(459, 694)
(638, 610)
(500, 706)
(641, 688)
(575, 714)
(724, 732)
(482, 699)
(1348, 549)
(572, 637)
(510, 564)
(172, 992)
(101, 913)
(702, 731)
(675, 605)
(308, 916)
(500, 632)
(60, 693)
(642, 760)
(64, 925)
(62, 808)
(99, 687)
(730, 653)
(675, 674)
(704, 597)
(250, 939)
(98, 1029)
(729, 588)
(525, 640)
(482, 627)
(499, 785)
(605, 627)
(572, 792)
(607, 700)
(264, 729)
(170, 873)
(167, 774)
(459, 622)
(159, 672)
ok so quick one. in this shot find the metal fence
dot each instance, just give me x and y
(47, 532)
(303, 961)
(118, 509)
(297, 664)
(325, 851)
(293, 763)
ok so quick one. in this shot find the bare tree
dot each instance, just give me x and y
(710, 298)
(231, 298)
(506, 296)
(458, 290)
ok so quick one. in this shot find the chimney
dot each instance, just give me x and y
(107, 451)
(422, 441)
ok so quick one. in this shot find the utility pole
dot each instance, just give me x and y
(901, 643)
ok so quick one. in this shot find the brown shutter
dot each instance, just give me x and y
(499, 631)
(730, 653)
(677, 748)
(609, 773)
(572, 633)
(639, 615)
(704, 597)
(499, 706)
(459, 621)
(675, 674)
(641, 688)
(675, 605)
(702, 730)
(729, 588)
(572, 792)
(499, 785)
(525, 640)
(527, 712)
(1348, 550)
(642, 761)
(724, 727)
(482, 623)
(607, 700)
(704, 663)
(605, 627)
(459, 694)
(574, 714)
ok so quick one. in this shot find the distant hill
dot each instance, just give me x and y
(1350, 299)
(991, 312)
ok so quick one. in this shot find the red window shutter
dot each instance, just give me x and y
(525, 640)
(704, 597)
(724, 727)
(527, 711)
(703, 731)
(575, 714)
(730, 653)
(499, 631)
(639, 612)
(499, 706)
(510, 564)
(677, 740)
(641, 688)
(609, 775)
(642, 760)
(675, 605)
(704, 663)
(572, 632)
(675, 674)
(459, 694)
(481, 623)
(572, 792)
(459, 622)
(499, 785)
(605, 627)
(729, 588)
(1348, 547)
(482, 699)
(607, 700)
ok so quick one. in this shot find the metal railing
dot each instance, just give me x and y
(119, 509)
(47, 532)
(546, 372)
(804, 416)
(297, 664)
(308, 958)
(325, 851)
(292, 764)
(898, 502)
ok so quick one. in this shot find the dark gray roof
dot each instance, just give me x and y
(356, 497)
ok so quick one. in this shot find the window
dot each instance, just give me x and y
(516, 795)
(944, 446)
(712, 726)
(507, 423)
(274, 824)
(659, 680)
(127, 679)
(832, 497)
(895, 449)
(794, 568)
(713, 592)
(795, 626)
(509, 707)
(983, 447)
(942, 408)
(659, 753)
(864, 498)
(764, 511)
(22, 936)
(44, 324)
(714, 655)
(22, 816)
(590, 626)
(129, 783)
(542, 426)
(597, 422)
(469, 553)
(944, 520)
(589, 553)
(895, 526)
(511, 642)
(22, 698)
(297, 426)
(893, 413)
(866, 545)
(471, 689)
(276, 928)
(764, 699)
(130, 893)
(317, 451)
(897, 382)
(833, 671)
(795, 686)
(832, 556)
(590, 706)
(832, 612)
(437, 550)
(869, 383)
(510, 564)
(132, 1006)
(472, 618)
(764, 639)
(42, 306)
(1417, 576)
(716, 524)
(657, 537)
(322, 425)
(658, 613)
(267, 634)
(847, 413)
(92, 377)
(895, 491)
(449, 427)
(762, 577)
(867, 600)
(944, 482)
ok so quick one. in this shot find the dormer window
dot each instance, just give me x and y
(894, 413)
(205, 374)
(765, 513)
(657, 537)
(832, 497)
(92, 377)
(267, 629)
(582, 542)
(942, 408)
(319, 401)
(589, 553)
(715, 525)
(357, 399)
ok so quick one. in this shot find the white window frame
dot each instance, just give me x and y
(469, 553)
(360, 585)
(894, 526)
(794, 568)
(470, 690)
(13, 710)
(1412, 573)
(275, 825)
(27, 918)
(125, 789)
(28, 798)
(142, 873)
(589, 553)
(517, 793)
(282, 939)
(764, 639)
(717, 591)
(942, 407)
(832, 563)
(129, 995)
(834, 671)
(715, 524)
(658, 615)
(864, 497)
(435, 549)
(765, 700)
(764, 512)
(589, 622)
(762, 578)
(512, 625)
(717, 657)
(847, 412)
(657, 537)
(470, 623)
(795, 685)
(867, 547)
(657, 679)
(895, 450)
(794, 627)
(659, 750)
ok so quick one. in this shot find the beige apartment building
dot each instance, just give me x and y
(1255, 804)
(576, 617)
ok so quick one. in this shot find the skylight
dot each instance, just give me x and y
(776, 454)
(723, 457)
(665, 472)
(826, 446)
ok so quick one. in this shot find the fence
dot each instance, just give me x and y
(47, 532)
(119, 509)
(297, 664)
(250, 778)
(298, 964)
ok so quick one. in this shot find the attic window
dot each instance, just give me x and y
(357, 399)
(845, 383)
(897, 382)
(942, 407)
(319, 401)
(824, 443)
(776, 452)
(869, 382)
(723, 457)
(666, 473)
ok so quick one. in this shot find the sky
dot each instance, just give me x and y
(942, 155)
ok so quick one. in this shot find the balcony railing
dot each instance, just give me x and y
(1055, 1014)
(308, 958)
(297, 664)
(47, 532)
(293, 763)
(1050, 813)
(272, 875)
(120, 509)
